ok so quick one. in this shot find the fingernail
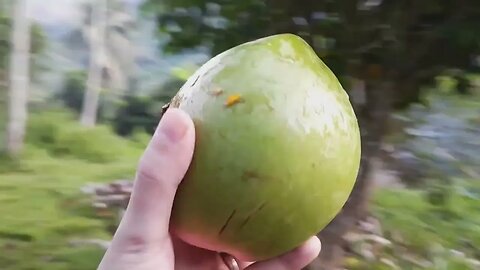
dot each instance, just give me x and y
(173, 125)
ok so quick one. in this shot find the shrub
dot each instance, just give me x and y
(61, 134)
(140, 112)
(97, 144)
(44, 128)
(73, 90)
(140, 138)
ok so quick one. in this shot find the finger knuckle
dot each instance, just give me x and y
(134, 244)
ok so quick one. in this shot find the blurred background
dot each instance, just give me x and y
(82, 84)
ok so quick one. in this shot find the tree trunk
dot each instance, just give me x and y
(97, 53)
(372, 116)
(19, 79)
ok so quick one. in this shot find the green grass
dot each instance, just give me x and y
(453, 224)
(42, 209)
(421, 225)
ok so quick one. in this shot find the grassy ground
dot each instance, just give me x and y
(437, 227)
(41, 213)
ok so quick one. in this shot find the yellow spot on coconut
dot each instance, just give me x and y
(232, 100)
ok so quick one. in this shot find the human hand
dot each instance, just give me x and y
(143, 240)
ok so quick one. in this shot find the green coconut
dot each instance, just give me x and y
(277, 149)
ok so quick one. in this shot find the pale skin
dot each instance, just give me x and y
(144, 240)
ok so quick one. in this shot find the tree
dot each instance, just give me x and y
(19, 79)
(106, 28)
(38, 42)
(384, 51)
(37, 45)
(94, 81)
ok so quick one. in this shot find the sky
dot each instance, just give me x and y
(53, 11)
(57, 11)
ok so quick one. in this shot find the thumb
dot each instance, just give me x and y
(161, 169)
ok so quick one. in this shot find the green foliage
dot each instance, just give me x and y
(38, 39)
(169, 89)
(97, 144)
(140, 137)
(42, 211)
(44, 128)
(60, 134)
(136, 112)
(4, 40)
(436, 224)
(73, 90)
(72, 94)
(430, 229)
(371, 40)
(133, 113)
(44, 188)
(425, 234)
(142, 112)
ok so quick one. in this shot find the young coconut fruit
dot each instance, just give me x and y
(277, 149)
